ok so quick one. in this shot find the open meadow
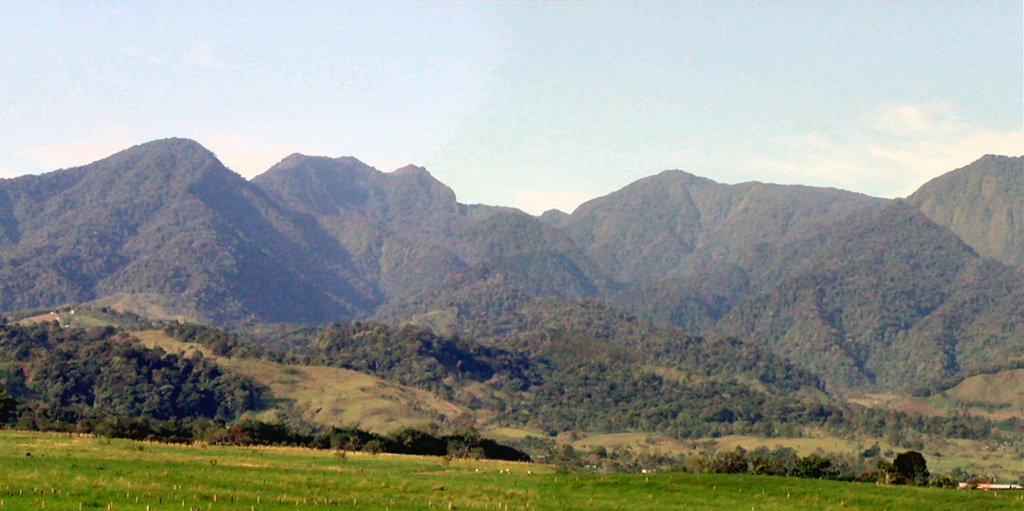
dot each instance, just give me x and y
(62, 472)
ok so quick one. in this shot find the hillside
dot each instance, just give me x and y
(665, 226)
(325, 396)
(983, 204)
(890, 300)
(397, 229)
(163, 228)
(553, 379)
(72, 374)
(995, 395)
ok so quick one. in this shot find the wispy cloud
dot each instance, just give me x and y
(79, 152)
(890, 152)
(933, 139)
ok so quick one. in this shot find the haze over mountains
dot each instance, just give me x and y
(867, 293)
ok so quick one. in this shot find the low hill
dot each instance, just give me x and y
(326, 396)
(560, 365)
(67, 374)
(1000, 389)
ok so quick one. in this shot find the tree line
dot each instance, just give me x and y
(907, 468)
(583, 380)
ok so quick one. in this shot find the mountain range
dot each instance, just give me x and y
(868, 293)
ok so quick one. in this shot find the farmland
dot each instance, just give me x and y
(62, 472)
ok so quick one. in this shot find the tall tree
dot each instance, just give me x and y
(912, 466)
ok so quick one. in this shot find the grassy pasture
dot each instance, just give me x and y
(68, 473)
(1004, 389)
(77, 319)
(997, 396)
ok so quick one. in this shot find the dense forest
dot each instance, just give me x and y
(100, 372)
(556, 381)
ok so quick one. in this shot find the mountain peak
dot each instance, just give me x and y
(295, 159)
(683, 176)
(177, 148)
(173, 143)
(177, 160)
(981, 203)
(411, 170)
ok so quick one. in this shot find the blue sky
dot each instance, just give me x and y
(533, 104)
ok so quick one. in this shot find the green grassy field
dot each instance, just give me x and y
(61, 472)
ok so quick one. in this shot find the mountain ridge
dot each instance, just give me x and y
(165, 229)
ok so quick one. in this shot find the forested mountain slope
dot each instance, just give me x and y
(164, 228)
(406, 232)
(664, 226)
(983, 203)
(390, 226)
(889, 299)
(685, 250)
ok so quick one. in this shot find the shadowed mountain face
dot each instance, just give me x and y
(867, 292)
(983, 203)
(663, 226)
(685, 250)
(164, 228)
(401, 228)
(890, 300)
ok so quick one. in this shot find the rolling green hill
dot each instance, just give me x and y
(326, 396)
